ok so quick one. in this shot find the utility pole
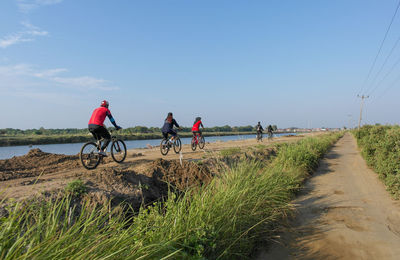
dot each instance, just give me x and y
(362, 104)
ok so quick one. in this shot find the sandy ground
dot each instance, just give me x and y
(344, 212)
(58, 175)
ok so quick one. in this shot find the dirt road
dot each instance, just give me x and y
(344, 212)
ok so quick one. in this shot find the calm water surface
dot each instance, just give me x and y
(74, 148)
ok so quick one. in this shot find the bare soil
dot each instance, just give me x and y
(142, 178)
(344, 212)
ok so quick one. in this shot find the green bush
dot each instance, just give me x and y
(380, 146)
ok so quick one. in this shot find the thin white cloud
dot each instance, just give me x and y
(26, 6)
(53, 76)
(48, 73)
(27, 34)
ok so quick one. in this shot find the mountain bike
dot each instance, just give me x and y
(166, 144)
(259, 137)
(199, 140)
(90, 157)
(270, 134)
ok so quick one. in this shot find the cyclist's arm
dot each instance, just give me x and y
(112, 120)
(175, 123)
(201, 124)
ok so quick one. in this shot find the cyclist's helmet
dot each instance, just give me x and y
(104, 103)
(170, 114)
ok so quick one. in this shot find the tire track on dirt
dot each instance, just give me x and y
(343, 212)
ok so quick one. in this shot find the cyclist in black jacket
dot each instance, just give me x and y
(168, 127)
(259, 128)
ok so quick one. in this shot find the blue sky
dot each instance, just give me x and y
(289, 63)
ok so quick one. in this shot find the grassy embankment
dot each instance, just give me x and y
(80, 138)
(223, 220)
(380, 147)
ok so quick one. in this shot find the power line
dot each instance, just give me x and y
(383, 64)
(380, 48)
(386, 75)
(389, 87)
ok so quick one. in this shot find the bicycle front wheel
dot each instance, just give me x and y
(193, 144)
(177, 145)
(164, 147)
(89, 156)
(202, 142)
(118, 150)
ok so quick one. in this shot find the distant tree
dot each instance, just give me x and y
(274, 128)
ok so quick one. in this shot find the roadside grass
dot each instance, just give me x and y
(222, 220)
(230, 151)
(380, 147)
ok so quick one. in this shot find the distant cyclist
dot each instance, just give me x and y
(168, 127)
(259, 128)
(196, 126)
(96, 125)
(270, 130)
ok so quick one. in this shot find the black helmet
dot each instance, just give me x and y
(170, 114)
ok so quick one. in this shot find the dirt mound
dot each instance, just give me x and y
(181, 176)
(34, 163)
(127, 185)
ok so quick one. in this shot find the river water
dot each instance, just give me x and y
(74, 148)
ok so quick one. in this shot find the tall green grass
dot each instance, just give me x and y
(380, 146)
(222, 220)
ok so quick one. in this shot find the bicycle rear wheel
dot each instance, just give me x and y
(89, 156)
(164, 147)
(177, 145)
(118, 150)
(193, 144)
(202, 142)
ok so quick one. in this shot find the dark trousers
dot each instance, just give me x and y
(99, 132)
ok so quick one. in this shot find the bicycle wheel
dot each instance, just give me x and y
(202, 142)
(118, 150)
(177, 145)
(164, 147)
(193, 143)
(89, 156)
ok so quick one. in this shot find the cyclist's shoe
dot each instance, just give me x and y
(102, 153)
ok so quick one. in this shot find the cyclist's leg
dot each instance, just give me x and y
(94, 130)
(103, 132)
(172, 133)
(165, 135)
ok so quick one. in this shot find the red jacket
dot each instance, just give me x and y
(196, 126)
(99, 115)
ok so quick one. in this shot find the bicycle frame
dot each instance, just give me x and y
(196, 137)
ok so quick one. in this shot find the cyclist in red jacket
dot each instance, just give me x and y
(196, 126)
(96, 125)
